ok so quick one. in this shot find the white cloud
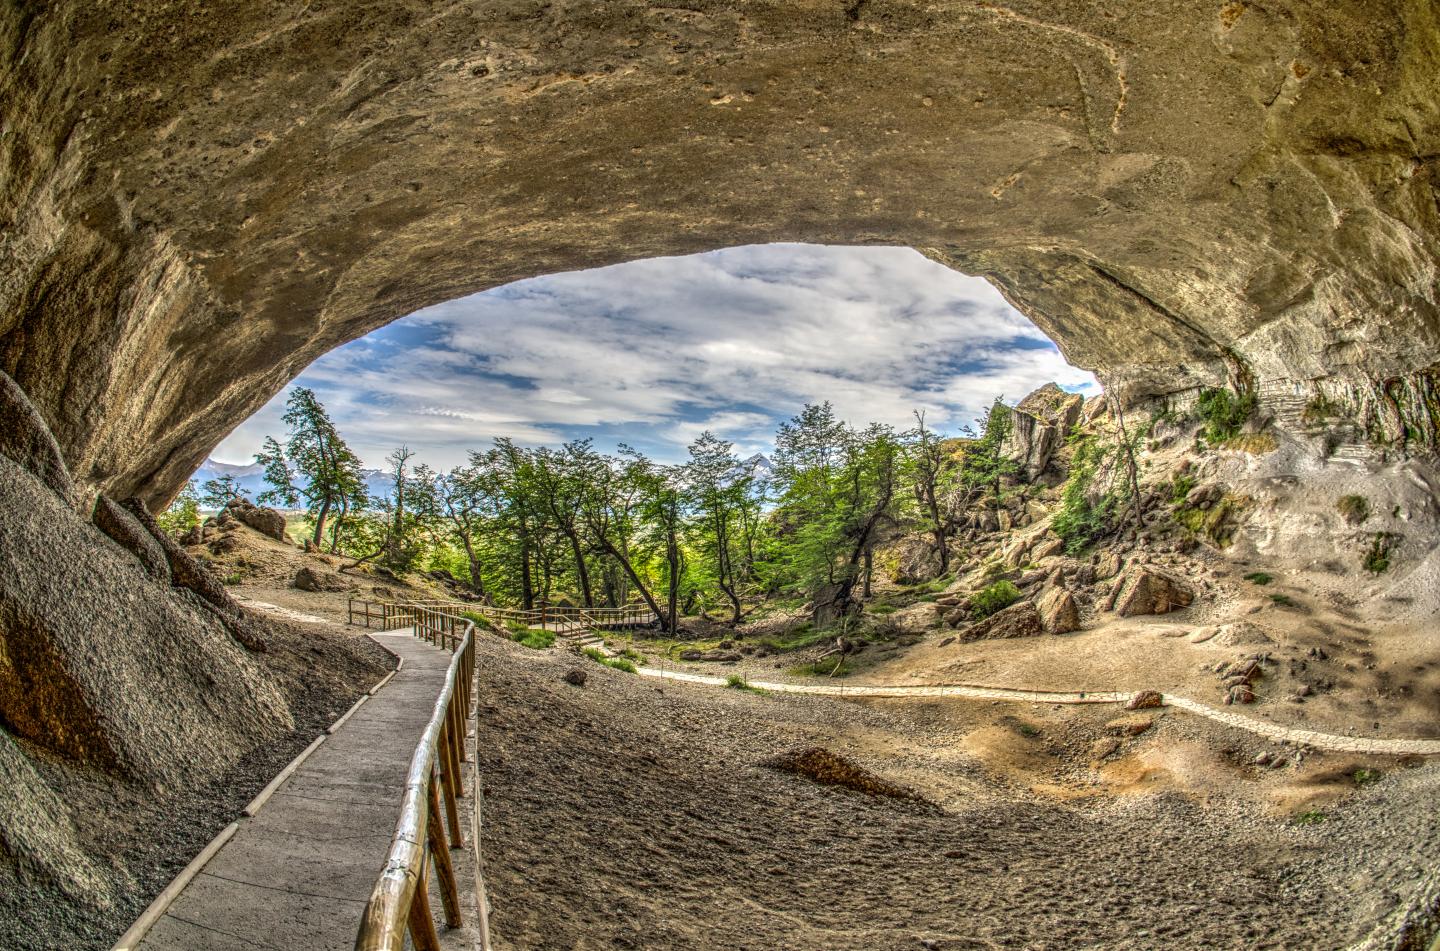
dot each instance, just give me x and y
(731, 341)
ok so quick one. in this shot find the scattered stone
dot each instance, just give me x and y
(575, 678)
(1145, 700)
(1018, 620)
(1058, 611)
(1240, 693)
(1263, 759)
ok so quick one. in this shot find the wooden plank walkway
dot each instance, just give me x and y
(298, 874)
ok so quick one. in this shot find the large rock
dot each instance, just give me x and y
(264, 520)
(1058, 611)
(1018, 620)
(1177, 193)
(311, 578)
(1040, 423)
(1145, 590)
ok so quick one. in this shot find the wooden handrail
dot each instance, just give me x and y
(400, 901)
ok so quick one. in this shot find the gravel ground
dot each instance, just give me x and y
(624, 815)
(145, 838)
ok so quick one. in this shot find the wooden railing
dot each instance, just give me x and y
(400, 901)
(387, 615)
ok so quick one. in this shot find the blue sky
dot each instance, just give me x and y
(652, 353)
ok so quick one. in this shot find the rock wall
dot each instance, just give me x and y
(196, 201)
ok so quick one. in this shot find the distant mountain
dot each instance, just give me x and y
(758, 466)
(251, 477)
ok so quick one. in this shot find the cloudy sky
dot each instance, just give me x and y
(654, 352)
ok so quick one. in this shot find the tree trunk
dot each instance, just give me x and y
(320, 522)
(581, 571)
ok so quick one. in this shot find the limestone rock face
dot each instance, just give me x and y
(1039, 425)
(194, 207)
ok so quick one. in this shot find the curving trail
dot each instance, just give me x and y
(1311, 738)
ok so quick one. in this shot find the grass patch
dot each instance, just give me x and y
(993, 598)
(1180, 487)
(1028, 730)
(802, 635)
(1259, 577)
(737, 682)
(233, 578)
(823, 668)
(614, 663)
(535, 638)
(1364, 777)
(1283, 600)
(1310, 817)
(1355, 508)
(882, 609)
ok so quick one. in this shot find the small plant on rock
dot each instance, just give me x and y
(993, 598)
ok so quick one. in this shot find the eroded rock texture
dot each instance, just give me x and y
(199, 199)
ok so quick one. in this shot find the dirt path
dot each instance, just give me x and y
(1271, 731)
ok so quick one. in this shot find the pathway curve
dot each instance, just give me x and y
(1274, 731)
(298, 873)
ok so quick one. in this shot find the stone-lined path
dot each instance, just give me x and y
(1274, 731)
(298, 874)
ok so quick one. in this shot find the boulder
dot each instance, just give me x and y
(1145, 700)
(1108, 565)
(1018, 620)
(1145, 590)
(1046, 548)
(1133, 725)
(575, 677)
(309, 578)
(1040, 423)
(1058, 611)
(264, 520)
(1204, 496)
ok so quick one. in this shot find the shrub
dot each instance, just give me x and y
(1377, 559)
(1310, 817)
(1364, 777)
(1259, 577)
(1355, 508)
(995, 597)
(1224, 413)
(1283, 600)
(1180, 487)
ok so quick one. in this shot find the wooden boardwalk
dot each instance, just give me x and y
(298, 874)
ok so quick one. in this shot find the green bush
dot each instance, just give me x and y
(1364, 777)
(995, 597)
(1355, 508)
(1259, 577)
(1377, 559)
(1224, 413)
(1180, 487)
(1078, 522)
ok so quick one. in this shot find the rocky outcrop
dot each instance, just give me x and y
(1039, 425)
(264, 520)
(1200, 193)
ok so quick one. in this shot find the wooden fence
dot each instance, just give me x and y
(387, 616)
(400, 901)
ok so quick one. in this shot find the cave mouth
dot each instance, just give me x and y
(652, 352)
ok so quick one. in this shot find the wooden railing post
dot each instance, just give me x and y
(422, 927)
(444, 868)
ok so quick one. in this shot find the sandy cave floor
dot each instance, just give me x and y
(623, 815)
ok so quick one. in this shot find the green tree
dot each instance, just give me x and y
(183, 513)
(718, 488)
(984, 466)
(280, 475)
(326, 468)
(218, 493)
(930, 474)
